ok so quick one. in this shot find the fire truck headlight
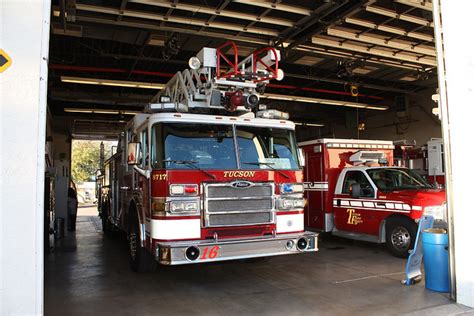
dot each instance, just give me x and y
(289, 188)
(299, 203)
(183, 206)
(293, 203)
(437, 211)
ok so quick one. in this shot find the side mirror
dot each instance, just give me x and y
(301, 157)
(134, 154)
(355, 190)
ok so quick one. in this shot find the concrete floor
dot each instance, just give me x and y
(88, 274)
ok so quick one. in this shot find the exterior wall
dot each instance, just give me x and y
(458, 113)
(24, 27)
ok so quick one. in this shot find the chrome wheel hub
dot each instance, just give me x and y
(400, 238)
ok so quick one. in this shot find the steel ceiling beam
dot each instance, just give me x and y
(216, 12)
(380, 40)
(274, 6)
(354, 55)
(420, 4)
(389, 29)
(399, 16)
(175, 19)
(155, 27)
(368, 49)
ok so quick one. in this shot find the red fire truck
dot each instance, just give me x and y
(208, 174)
(354, 191)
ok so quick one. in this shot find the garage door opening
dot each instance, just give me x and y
(362, 70)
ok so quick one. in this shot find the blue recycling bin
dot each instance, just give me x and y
(435, 259)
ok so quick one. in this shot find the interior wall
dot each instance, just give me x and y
(417, 123)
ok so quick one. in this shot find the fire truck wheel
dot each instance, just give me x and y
(401, 234)
(106, 225)
(140, 259)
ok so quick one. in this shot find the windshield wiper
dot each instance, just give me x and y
(192, 164)
(269, 165)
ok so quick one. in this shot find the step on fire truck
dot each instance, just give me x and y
(208, 174)
(354, 191)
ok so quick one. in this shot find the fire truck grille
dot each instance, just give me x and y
(228, 204)
(239, 219)
(239, 205)
(228, 191)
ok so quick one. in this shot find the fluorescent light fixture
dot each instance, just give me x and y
(292, 98)
(114, 83)
(308, 124)
(100, 111)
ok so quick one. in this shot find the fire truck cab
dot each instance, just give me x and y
(354, 191)
(205, 175)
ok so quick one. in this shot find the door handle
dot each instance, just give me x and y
(338, 201)
(124, 188)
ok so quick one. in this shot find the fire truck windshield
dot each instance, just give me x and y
(394, 179)
(213, 146)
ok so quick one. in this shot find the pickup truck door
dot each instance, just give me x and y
(356, 215)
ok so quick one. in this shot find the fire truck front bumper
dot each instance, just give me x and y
(186, 252)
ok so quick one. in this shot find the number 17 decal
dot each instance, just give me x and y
(210, 253)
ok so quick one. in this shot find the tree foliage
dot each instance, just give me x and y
(86, 159)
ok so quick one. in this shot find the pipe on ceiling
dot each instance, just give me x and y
(169, 75)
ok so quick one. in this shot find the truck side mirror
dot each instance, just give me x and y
(134, 154)
(355, 190)
(301, 157)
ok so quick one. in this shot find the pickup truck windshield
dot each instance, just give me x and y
(214, 146)
(394, 179)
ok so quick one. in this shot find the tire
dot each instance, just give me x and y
(140, 259)
(401, 235)
(107, 227)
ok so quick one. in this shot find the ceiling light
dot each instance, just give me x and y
(100, 111)
(308, 124)
(114, 83)
(322, 101)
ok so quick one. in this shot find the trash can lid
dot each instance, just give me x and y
(435, 230)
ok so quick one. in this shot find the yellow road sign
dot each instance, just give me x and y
(5, 61)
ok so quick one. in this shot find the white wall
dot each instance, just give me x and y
(459, 61)
(24, 28)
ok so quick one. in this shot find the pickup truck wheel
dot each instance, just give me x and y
(401, 234)
(140, 259)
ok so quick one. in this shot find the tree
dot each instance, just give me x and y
(86, 159)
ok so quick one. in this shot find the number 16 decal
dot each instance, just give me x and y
(210, 253)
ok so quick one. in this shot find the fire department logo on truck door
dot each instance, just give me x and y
(353, 218)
